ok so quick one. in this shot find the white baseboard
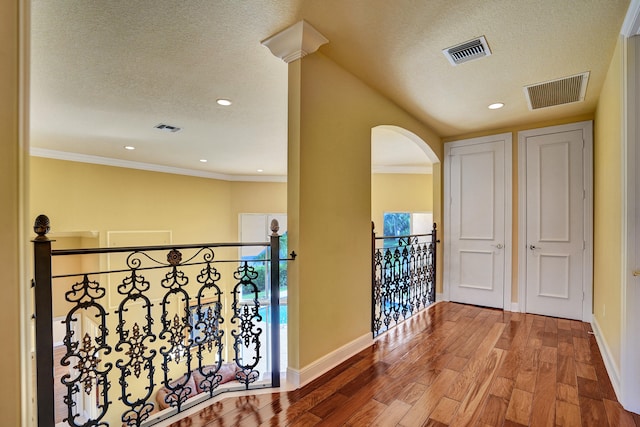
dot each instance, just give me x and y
(514, 307)
(299, 378)
(440, 297)
(612, 369)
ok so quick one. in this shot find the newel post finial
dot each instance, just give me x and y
(41, 226)
(275, 226)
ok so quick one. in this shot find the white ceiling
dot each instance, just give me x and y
(104, 73)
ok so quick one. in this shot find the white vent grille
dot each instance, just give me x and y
(557, 92)
(467, 51)
(167, 128)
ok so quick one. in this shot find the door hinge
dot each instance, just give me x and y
(584, 245)
(582, 295)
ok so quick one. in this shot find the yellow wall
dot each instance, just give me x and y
(11, 172)
(399, 193)
(331, 114)
(257, 197)
(608, 207)
(86, 197)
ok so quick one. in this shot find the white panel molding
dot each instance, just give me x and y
(612, 369)
(108, 161)
(508, 238)
(299, 378)
(587, 273)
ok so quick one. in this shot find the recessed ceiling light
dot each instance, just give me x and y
(223, 102)
(203, 160)
(260, 170)
(496, 106)
(129, 147)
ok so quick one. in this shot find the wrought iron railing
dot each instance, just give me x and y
(148, 338)
(403, 278)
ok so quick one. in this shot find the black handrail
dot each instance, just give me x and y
(135, 354)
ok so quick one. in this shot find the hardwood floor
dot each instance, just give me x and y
(452, 365)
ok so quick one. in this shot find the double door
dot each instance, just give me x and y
(554, 221)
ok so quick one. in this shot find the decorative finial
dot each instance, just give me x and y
(42, 227)
(174, 257)
(274, 227)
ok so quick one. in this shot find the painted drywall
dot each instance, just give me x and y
(399, 193)
(608, 207)
(257, 197)
(514, 181)
(87, 197)
(331, 114)
(11, 173)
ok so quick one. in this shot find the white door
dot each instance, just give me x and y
(556, 221)
(479, 221)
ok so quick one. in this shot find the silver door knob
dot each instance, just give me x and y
(532, 247)
(499, 246)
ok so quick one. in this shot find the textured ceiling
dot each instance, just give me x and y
(104, 73)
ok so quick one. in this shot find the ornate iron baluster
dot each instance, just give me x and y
(247, 335)
(84, 354)
(176, 332)
(134, 343)
(206, 330)
(377, 311)
(403, 279)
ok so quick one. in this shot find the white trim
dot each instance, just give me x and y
(299, 378)
(587, 266)
(508, 213)
(514, 307)
(629, 344)
(295, 41)
(440, 297)
(631, 24)
(607, 357)
(108, 161)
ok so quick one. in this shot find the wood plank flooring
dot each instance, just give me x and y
(452, 365)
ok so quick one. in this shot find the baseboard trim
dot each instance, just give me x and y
(612, 369)
(299, 378)
(514, 307)
(440, 297)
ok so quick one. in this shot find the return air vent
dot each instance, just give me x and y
(557, 92)
(467, 51)
(167, 128)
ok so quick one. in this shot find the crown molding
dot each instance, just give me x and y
(295, 42)
(108, 161)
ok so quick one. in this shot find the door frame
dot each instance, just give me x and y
(507, 305)
(628, 389)
(587, 162)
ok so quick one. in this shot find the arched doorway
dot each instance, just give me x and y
(405, 202)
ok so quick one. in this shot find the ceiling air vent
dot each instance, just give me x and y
(557, 92)
(467, 51)
(167, 128)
